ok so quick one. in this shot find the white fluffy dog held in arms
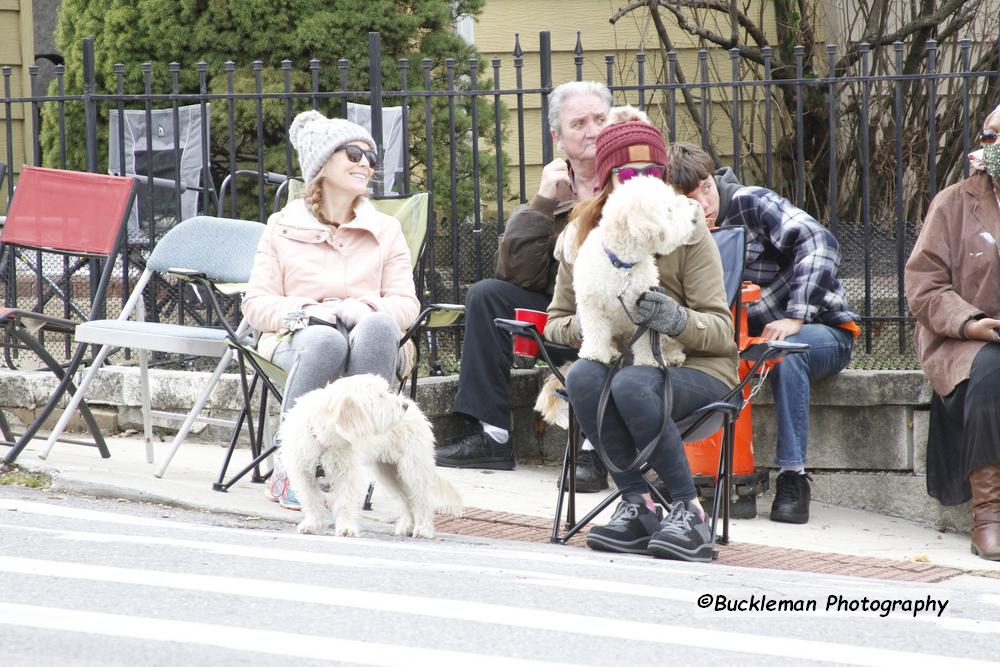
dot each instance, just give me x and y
(350, 427)
(642, 219)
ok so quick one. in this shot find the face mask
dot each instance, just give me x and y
(991, 158)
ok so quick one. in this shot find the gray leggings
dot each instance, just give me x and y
(315, 355)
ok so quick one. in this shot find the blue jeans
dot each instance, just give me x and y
(829, 353)
(635, 415)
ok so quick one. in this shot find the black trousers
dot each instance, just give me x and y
(487, 352)
(964, 432)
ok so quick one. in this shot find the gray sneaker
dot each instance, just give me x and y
(629, 529)
(683, 535)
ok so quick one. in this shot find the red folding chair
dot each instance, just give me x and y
(71, 214)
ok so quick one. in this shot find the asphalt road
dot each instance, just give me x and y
(100, 582)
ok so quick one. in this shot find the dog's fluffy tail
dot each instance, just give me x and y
(448, 499)
(553, 408)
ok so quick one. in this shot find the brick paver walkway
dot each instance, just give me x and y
(503, 525)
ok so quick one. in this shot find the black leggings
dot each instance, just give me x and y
(635, 415)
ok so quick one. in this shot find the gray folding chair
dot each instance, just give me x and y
(220, 249)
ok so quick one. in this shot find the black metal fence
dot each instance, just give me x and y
(871, 187)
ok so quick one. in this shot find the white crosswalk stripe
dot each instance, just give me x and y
(245, 639)
(537, 571)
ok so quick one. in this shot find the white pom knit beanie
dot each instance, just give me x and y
(315, 138)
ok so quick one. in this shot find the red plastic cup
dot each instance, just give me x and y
(524, 345)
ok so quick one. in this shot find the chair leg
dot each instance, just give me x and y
(147, 418)
(5, 431)
(220, 485)
(255, 438)
(730, 437)
(563, 489)
(717, 496)
(192, 415)
(263, 433)
(573, 446)
(76, 401)
(582, 523)
(723, 483)
(253, 464)
(65, 383)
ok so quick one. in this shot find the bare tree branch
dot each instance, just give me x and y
(744, 21)
(661, 31)
(683, 23)
(627, 10)
(734, 23)
(925, 22)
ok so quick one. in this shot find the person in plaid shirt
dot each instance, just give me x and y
(794, 260)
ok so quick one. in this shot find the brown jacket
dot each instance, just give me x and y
(692, 275)
(525, 256)
(953, 275)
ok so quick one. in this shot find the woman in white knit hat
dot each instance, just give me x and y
(330, 256)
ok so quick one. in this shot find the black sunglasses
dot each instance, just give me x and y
(987, 137)
(354, 154)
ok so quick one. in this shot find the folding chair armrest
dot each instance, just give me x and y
(189, 275)
(697, 425)
(425, 315)
(769, 349)
(526, 329)
(50, 322)
(519, 328)
(720, 406)
(545, 348)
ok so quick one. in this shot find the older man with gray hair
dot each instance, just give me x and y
(524, 279)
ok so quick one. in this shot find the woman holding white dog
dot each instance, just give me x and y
(688, 305)
(330, 257)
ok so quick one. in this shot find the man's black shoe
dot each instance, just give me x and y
(476, 450)
(791, 498)
(629, 530)
(591, 475)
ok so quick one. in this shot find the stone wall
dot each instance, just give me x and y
(867, 437)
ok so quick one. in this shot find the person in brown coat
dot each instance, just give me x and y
(526, 273)
(953, 289)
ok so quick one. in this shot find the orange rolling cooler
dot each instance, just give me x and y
(703, 455)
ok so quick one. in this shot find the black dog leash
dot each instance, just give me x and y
(602, 403)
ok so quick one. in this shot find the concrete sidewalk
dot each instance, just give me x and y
(520, 505)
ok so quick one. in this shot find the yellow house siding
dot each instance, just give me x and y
(17, 52)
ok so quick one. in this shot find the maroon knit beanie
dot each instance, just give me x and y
(628, 142)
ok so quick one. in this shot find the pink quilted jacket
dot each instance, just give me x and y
(302, 264)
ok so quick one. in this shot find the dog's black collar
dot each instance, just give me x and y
(615, 262)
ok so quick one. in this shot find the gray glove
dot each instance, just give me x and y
(660, 312)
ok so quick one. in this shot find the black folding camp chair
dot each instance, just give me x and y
(700, 424)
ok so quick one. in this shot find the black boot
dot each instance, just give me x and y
(591, 475)
(791, 498)
(476, 450)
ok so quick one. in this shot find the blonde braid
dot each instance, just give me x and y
(313, 197)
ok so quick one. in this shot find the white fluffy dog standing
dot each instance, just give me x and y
(355, 421)
(643, 217)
